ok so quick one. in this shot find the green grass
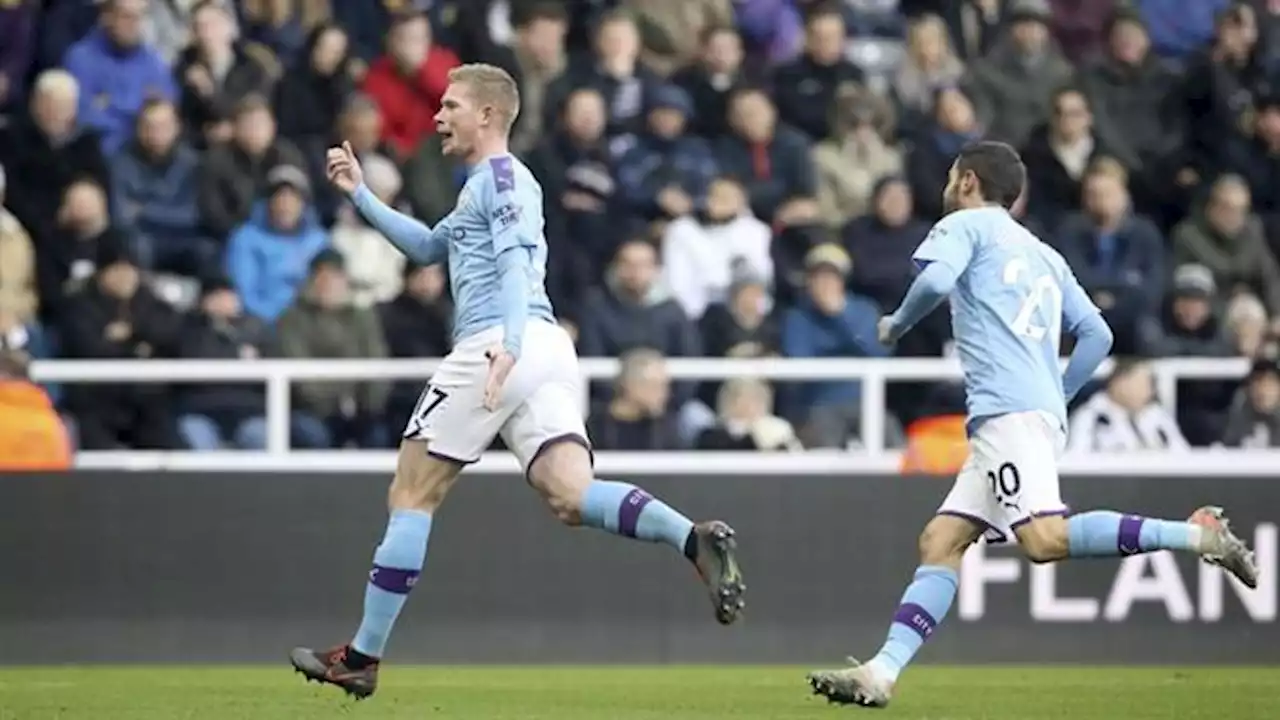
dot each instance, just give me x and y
(645, 693)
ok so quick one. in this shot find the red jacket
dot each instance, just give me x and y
(409, 104)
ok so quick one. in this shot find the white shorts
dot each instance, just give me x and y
(1011, 475)
(541, 401)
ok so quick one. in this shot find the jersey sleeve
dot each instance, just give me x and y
(1077, 306)
(952, 242)
(512, 210)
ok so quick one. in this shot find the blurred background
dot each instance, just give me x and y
(723, 179)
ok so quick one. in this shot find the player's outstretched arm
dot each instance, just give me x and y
(410, 237)
(934, 283)
(1093, 337)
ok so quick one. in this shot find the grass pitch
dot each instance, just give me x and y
(635, 693)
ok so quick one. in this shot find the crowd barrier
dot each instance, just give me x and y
(163, 567)
(278, 375)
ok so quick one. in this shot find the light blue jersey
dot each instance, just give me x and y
(493, 241)
(1011, 297)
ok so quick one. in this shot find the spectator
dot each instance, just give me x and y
(1190, 328)
(772, 160)
(18, 294)
(712, 79)
(930, 65)
(49, 150)
(747, 422)
(33, 437)
(579, 180)
(806, 88)
(1228, 239)
(375, 268)
(1220, 87)
(156, 182)
(1254, 421)
(17, 48)
(773, 30)
(167, 27)
(1058, 155)
(1247, 327)
(973, 25)
(323, 323)
(666, 173)
(1080, 26)
(416, 324)
(1132, 94)
(281, 29)
(117, 72)
(268, 257)
(856, 157)
(213, 416)
(634, 310)
(700, 253)
(954, 125)
(830, 322)
(68, 257)
(742, 326)
(1118, 256)
(1258, 161)
(1125, 417)
(409, 81)
(880, 245)
(536, 58)
(234, 176)
(214, 71)
(1012, 86)
(360, 123)
(116, 317)
(311, 96)
(638, 416)
(617, 74)
(1180, 28)
(673, 29)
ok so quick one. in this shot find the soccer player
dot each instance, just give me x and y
(1011, 296)
(512, 371)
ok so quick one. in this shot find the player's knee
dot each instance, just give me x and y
(421, 481)
(943, 542)
(561, 473)
(1044, 540)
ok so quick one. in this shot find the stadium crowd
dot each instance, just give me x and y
(730, 178)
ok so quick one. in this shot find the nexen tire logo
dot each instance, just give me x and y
(1150, 578)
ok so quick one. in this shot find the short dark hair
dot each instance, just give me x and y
(543, 11)
(999, 170)
(823, 10)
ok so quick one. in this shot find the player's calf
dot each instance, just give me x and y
(562, 474)
(419, 487)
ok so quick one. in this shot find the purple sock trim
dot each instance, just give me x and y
(1129, 541)
(629, 512)
(916, 618)
(393, 580)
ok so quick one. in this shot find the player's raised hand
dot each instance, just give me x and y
(500, 364)
(343, 168)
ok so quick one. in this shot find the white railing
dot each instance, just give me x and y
(277, 375)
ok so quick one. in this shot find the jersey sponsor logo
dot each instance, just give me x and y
(506, 215)
(504, 174)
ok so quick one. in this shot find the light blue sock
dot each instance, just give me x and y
(396, 565)
(923, 607)
(1103, 533)
(624, 509)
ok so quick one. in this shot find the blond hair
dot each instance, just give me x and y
(492, 86)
